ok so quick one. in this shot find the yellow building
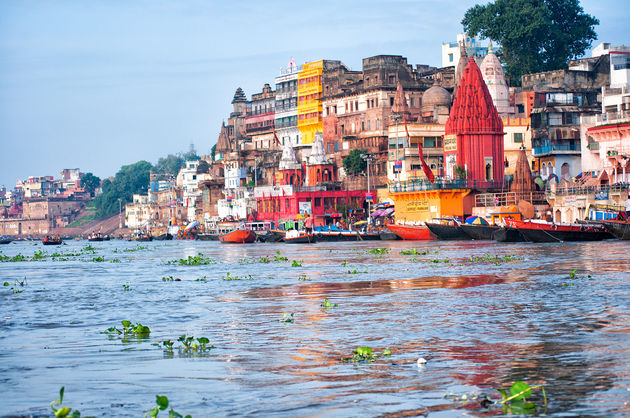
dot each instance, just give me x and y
(310, 100)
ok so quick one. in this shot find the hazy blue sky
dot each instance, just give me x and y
(99, 84)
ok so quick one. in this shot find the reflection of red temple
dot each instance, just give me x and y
(474, 131)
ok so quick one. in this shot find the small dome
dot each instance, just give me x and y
(491, 69)
(435, 96)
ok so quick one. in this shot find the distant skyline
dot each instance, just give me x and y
(99, 84)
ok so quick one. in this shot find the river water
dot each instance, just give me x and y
(480, 324)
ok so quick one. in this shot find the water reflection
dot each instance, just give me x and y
(481, 325)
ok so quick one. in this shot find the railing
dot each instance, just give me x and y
(415, 185)
(286, 108)
(614, 116)
(290, 70)
(509, 198)
(584, 190)
(547, 149)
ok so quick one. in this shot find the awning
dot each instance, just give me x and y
(192, 225)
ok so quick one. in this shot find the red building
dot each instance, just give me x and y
(473, 141)
(277, 203)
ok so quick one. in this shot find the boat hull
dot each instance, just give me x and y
(619, 229)
(52, 242)
(164, 237)
(413, 233)
(447, 232)
(5, 241)
(302, 239)
(238, 236)
(479, 232)
(504, 234)
(548, 232)
(335, 236)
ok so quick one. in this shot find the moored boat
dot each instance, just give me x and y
(506, 234)
(411, 232)
(447, 229)
(95, 236)
(620, 226)
(271, 236)
(238, 236)
(164, 237)
(387, 235)
(299, 237)
(5, 240)
(345, 235)
(478, 228)
(542, 231)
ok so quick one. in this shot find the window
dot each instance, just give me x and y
(362, 126)
(335, 147)
(450, 57)
(377, 102)
(335, 129)
(377, 123)
(391, 101)
(555, 119)
(368, 125)
(343, 130)
(518, 137)
(429, 142)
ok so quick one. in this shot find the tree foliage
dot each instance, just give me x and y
(130, 179)
(170, 164)
(535, 35)
(90, 183)
(353, 163)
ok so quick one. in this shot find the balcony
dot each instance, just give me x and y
(614, 117)
(572, 149)
(417, 185)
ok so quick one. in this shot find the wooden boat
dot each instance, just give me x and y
(506, 234)
(164, 237)
(271, 236)
(411, 232)
(387, 235)
(5, 240)
(48, 240)
(480, 232)
(334, 235)
(299, 237)
(95, 236)
(542, 231)
(205, 236)
(619, 227)
(447, 229)
(238, 236)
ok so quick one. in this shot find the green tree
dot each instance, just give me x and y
(130, 179)
(90, 183)
(191, 156)
(353, 163)
(170, 164)
(213, 151)
(535, 35)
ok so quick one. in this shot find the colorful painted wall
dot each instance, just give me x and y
(310, 100)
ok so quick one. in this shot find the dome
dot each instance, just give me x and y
(435, 96)
(491, 69)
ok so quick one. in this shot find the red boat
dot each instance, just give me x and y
(238, 236)
(411, 232)
(541, 231)
(48, 240)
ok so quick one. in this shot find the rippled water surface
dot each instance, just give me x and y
(482, 325)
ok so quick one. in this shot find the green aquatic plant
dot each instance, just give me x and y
(355, 271)
(303, 277)
(126, 287)
(202, 279)
(230, 277)
(378, 251)
(198, 260)
(129, 329)
(297, 263)
(515, 402)
(365, 354)
(188, 345)
(344, 263)
(135, 249)
(39, 255)
(168, 279)
(278, 258)
(414, 251)
(161, 403)
(60, 410)
(16, 258)
(287, 318)
(327, 305)
(98, 259)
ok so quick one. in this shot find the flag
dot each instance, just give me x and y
(425, 167)
(276, 138)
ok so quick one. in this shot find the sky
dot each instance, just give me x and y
(97, 84)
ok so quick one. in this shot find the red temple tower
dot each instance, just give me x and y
(473, 141)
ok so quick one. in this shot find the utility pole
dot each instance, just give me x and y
(396, 118)
(368, 159)
(119, 213)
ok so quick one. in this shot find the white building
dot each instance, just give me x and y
(286, 105)
(190, 187)
(451, 50)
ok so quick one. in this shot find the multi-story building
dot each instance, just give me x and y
(286, 116)
(259, 122)
(309, 110)
(451, 51)
(358, 106)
